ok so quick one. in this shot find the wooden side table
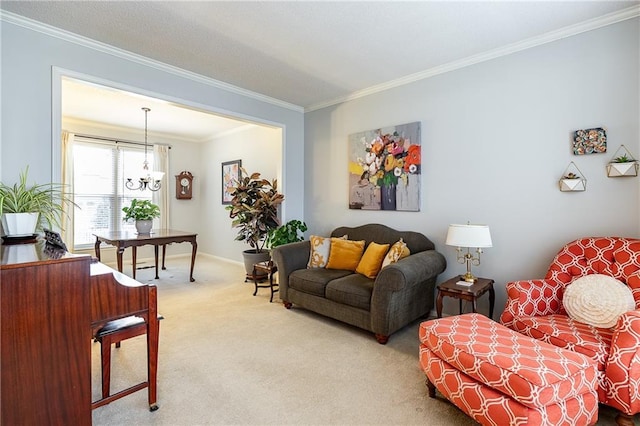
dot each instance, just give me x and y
(469, 293)
(262, 269)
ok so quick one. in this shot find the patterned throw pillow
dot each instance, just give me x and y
(345, 254)
(320, 247)
(397, 251)
(371, 261)
(597, 300)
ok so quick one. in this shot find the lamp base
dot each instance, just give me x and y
(468, 277)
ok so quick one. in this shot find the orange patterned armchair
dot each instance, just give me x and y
(535, 308)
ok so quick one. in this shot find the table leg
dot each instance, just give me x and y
(492, 300)
(474, 305)
(134, 255)
(119, 252)
(460, 305)
(164, 253)
(271, 285)
(194, 249)
(97, 248)
(155, 250)
(439, 304)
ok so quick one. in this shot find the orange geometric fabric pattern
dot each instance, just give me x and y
(498, 376)
(534, 308)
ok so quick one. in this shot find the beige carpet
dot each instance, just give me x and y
(228, 358)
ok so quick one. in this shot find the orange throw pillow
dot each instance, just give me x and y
(371, 261)
(345, 254)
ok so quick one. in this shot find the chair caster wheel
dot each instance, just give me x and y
(153, 407)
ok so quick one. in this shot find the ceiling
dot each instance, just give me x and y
(316, 53)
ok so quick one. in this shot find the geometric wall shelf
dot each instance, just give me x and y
(572, 179)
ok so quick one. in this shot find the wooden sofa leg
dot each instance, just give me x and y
(623, 419)
(432, 389)
(287, 304)
(382, 339)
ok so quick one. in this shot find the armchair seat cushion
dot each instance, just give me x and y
(353, 290)
(314, 281)
(562, 331)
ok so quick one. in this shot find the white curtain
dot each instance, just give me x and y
(67, 180)
(161, 197)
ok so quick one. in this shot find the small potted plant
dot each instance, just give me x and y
(26, 209)
(254, 211)
(290, 232)
(143, 212)
(622, 165)
(572, 181)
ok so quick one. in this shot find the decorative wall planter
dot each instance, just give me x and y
(572, 179)
(622, 164)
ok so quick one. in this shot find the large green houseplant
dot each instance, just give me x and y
(254, 212)
(143, 212)
(26, 208)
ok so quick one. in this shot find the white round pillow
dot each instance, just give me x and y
(597, 300)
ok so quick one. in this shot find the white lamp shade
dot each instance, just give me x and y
(468, 236)
(157, 175)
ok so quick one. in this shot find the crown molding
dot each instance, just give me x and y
(572, 30)
(133, 57)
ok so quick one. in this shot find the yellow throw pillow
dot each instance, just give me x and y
(397, 251)
(320, 247)
(345, 254)
(371, 261)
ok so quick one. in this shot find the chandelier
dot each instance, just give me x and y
(149, 180)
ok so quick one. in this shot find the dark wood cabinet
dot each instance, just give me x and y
(45, 339)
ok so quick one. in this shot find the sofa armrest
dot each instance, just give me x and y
(412, 270)
(622, 371)
(288, 258)
(531, 298)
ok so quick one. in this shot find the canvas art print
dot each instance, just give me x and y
(384, 168)
(590, 141)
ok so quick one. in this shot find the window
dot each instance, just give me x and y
(100, 170)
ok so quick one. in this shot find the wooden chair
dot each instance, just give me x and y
(114, 332)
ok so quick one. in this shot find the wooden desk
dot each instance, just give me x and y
(160, 237)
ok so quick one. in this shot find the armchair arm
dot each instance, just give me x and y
(288, 258)
(622, 370)
(531, 298)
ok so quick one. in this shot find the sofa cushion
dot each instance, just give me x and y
(353, 290)
(562, 331)
(597, 300)
(319, 255)
(345, 254)
(371, 261)
(313, 281)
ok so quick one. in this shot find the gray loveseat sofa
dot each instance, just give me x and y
(401, 293)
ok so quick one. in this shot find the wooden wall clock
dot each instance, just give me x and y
(184, 185)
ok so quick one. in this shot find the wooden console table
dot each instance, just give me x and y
(160, 237)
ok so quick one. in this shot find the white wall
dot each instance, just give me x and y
(260, 149)
(33, 59)
(496, 138)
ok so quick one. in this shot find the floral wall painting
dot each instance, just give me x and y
(384, 168)
(230, 177)
(590, 141)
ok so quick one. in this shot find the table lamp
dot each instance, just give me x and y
(468, 236)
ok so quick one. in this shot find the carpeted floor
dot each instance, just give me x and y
(228, 358)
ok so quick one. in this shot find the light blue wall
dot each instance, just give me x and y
(31, 59)
(496, 138)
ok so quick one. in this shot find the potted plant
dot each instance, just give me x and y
(290, 232)
(622, 165)
(143, 212)
(254, 211)
(26, 209)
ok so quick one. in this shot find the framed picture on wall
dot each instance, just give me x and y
(230, 177)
